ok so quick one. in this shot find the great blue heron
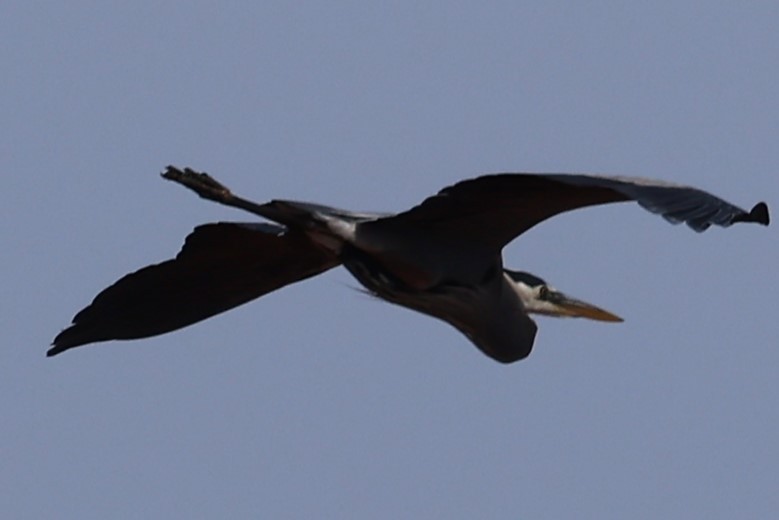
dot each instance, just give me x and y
(441, 258)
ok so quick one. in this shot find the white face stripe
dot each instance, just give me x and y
(530, 297)
(526, 293)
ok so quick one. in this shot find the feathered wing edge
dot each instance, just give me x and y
(221, 266)
(494, 209)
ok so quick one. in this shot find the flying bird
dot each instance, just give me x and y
(442, 257)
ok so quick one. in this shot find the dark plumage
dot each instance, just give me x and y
(442, 257)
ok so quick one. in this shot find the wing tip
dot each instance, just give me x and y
(66, 340)
(56, 349)
(758, 214)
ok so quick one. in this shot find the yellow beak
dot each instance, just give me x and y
(578, 309)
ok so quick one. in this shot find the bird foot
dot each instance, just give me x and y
(201, 183)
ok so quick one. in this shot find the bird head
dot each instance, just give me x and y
(539, 297)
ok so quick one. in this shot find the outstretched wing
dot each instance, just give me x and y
(494, 209)
(221, 266)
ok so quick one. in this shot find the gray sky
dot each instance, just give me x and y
(317, 401)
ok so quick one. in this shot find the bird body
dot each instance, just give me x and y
(442, 257)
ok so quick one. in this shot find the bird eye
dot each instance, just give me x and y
(543, 292)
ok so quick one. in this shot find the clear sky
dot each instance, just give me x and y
(317, 401)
